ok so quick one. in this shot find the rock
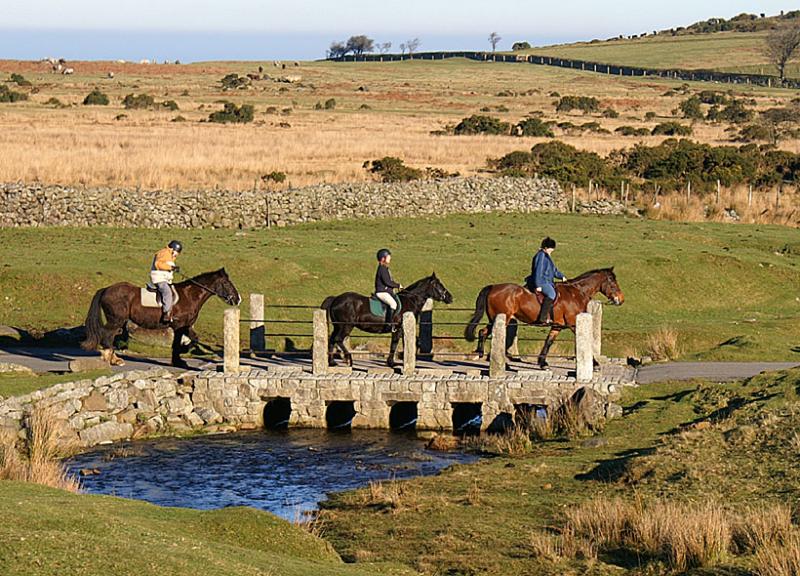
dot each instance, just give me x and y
(613, 410)
(209, 416)
(8, 367)
(194, 420)
(106, 432)
(95, 402)
(443, 443)
(589, 404)
(87, 364)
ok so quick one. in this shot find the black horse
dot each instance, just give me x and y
(350, 310)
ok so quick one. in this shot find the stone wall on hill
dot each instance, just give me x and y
(32, 205)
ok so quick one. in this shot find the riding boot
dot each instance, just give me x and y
(166, 317)
(545, 312)
(388, 324)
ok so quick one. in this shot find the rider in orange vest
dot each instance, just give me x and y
(161, 276)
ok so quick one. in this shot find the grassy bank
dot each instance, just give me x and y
(728, 292)
(678, 444)
(45, 531)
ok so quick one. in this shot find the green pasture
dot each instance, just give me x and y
(729, 291)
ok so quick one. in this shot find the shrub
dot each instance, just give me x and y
(95, 98)
(19, 80)
(610, 113)
(391, 169)
(632, 131)
(55, 102)
(330, 103)
(755, 132)
(134, 102)
(586, 104)
(671, 129)
(517, 46)
(559, 161)
(782, 115)
(735, 112)
(478, 124)
(233, 81)
(178, 118)
(233, 114)
(272, 110)
(170, 105)
(533, 127)
(712, 97)
(649, 116)
(691, 108)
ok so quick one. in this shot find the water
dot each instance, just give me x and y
(285, 473)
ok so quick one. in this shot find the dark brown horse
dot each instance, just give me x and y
(122, 302)
(519, 303)
(351, 310)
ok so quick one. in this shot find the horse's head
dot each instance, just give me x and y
(437, 291)
(610, 288)
(224, 288)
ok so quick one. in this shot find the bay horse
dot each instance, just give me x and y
(519, 303)
(351, 310)
(121, 303)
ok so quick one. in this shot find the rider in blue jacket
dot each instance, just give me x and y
(543, 271)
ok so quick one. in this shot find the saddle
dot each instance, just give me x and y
(150, 298)
(378, 308)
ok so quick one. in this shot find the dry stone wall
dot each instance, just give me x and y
(30, 205)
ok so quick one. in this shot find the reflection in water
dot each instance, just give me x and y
(283, 472)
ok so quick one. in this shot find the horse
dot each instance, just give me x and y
(519, 303)
(121, 303)
(351, 310)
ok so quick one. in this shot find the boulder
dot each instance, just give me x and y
(87, 364)
(8, 367)
(209, 416)
(105, 433)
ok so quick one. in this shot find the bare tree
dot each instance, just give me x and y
(337, 50)
(384, 47)
(782, 46)
(413, 45)
(494, 40)
(403, 48)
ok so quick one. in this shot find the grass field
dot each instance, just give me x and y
(678, 446)
(45, 531)
(725, 51)
(729, 292)
(110, 146)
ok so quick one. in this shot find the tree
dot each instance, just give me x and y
(403, 48)
(384, 47)
(494, 40)
(782, 46)
(413, 45)
(337, 50)
(360, 44)
(521, 46)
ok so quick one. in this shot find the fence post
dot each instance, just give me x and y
(497, 361)
(409, 343)
(425, 331)
(319, 348)
(595, 308)
(231, 341)
(584, 347)
(258, 341)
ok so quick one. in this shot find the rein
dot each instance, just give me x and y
(196, 283)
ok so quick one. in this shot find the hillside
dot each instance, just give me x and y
(734, 45)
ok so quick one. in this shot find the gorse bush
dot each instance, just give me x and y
(559, 161)
(19, 80)
(95, 98)
(233, 81)
(672, 129)
(8, 95)
(692, 108)
(138, 102)
(231, 113)
(586, 104)
(534, 127)
(478, 124)
(735, 112)
(632, 131)
(170, 105)
(391, 169)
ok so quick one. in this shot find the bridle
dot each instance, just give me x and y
(206, 288)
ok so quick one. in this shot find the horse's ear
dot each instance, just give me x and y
(434, 274)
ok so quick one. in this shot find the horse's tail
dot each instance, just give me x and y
(326, 305)
(94, 325)
(480, 309)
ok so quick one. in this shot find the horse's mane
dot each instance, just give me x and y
(590, 274)
(418, 284)
(205, 277)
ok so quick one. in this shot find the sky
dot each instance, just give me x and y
(198, 30)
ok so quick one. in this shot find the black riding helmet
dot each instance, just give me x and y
(548, 243)
(176, 245)
(383, 253)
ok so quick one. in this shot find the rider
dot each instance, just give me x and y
(161, 276)
(543, 271)
(385, 286)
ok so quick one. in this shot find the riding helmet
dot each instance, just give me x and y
(548, 243)
(383, 253)
(176, 245)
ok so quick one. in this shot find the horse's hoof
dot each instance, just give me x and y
(331, 364)
(117, 361)
(180, 364)
(515, 358)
